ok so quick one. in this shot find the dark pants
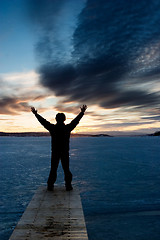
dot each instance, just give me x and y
(56, 156)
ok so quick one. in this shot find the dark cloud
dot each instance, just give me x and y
(12, 106)
(112, 41)
(50, 72)
(38, 97)
(133, 98)
(15, 96)
(124, 124)
(68, 109)
(156, 118)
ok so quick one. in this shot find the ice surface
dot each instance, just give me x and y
(119, 181)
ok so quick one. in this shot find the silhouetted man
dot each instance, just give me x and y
(60, 134)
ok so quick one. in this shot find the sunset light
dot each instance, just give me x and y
(80, 119)
(58, 69)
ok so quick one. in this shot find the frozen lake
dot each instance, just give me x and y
(118, 178)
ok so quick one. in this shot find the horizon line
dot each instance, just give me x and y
(109, 133)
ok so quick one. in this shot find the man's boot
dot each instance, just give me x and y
(50, 187)
(69, 187)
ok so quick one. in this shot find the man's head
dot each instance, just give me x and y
(60, 117)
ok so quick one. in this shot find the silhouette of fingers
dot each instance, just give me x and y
(83, 108)
(33, 110)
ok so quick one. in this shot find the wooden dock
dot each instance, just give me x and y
(56, 215)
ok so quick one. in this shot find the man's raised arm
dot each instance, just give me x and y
(43, 121)
(75, 121)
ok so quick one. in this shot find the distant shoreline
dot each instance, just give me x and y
(47, 134)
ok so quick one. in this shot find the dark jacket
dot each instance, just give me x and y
(60, 133)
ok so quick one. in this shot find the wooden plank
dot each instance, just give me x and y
(54, 215)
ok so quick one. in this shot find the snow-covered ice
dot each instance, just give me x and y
(119, 181)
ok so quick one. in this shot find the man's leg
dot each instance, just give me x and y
(53, 172)
(67, 173)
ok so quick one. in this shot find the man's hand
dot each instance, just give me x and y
(34, 111)
(83, 108)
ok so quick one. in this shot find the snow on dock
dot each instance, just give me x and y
(56, 215)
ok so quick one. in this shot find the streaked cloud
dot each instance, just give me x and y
(18, 90)
(101, 53)
(9, 105)
(111, 44)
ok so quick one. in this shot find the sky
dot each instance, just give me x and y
(56, 55)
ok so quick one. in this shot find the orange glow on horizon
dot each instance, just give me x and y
(16, 115)
(28, 123)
